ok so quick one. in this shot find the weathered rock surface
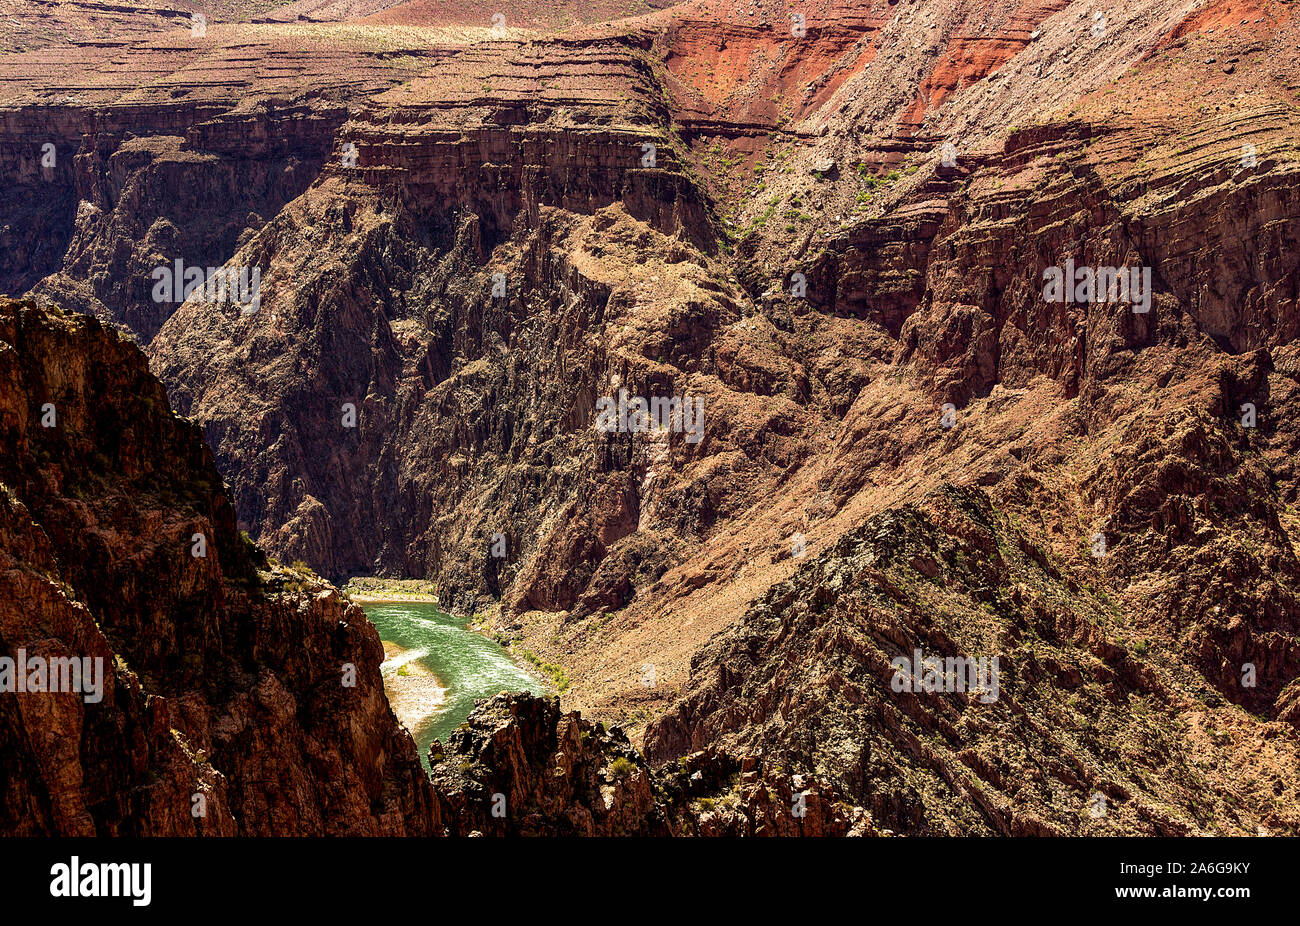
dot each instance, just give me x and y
(806, 679)
(520, 767)
(224, 684)
(535, 221)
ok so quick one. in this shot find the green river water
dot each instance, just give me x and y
(436, 668)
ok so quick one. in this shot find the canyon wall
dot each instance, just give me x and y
(834, 232)
(236, 700)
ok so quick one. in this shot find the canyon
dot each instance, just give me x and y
(831, 223)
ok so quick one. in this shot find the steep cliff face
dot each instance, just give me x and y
(146, 203)
(603, 304)
(235, 700)
(113, 177)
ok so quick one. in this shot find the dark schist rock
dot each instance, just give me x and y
(807, 680)
(474, 410)
(224, 686)
(224, 708)
(520, 766)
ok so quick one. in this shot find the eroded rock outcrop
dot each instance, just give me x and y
(235, 700)
(521, 767)
(809, 679)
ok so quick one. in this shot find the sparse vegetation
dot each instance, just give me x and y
(554, 672)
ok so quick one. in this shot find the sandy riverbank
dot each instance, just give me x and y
(361, 598)
(370, 590)
(414, 692)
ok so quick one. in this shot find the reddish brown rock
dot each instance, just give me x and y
(782, 161)
(221, 681)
